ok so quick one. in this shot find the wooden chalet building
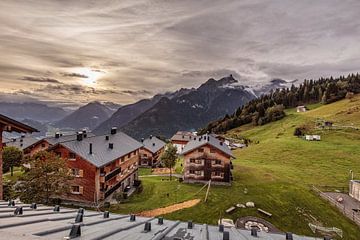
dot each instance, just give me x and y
(22, 142)
(10, 125)
(207, 158)
(151, 151)
(180, 139)
(47, 142)
(100, 165)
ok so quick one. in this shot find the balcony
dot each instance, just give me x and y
(112, 174)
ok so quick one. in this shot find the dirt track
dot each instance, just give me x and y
(169, 209)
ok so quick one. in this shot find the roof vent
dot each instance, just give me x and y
(113, 130)
(106, 214)
(33, 206)
(81, 210)
(18, 211)
(79, 218)
(75, 231)
(183, 136)
(221, 228)
(147, 227)
(208, 138)
(142, 140)
(226, 236)
(221, 143)
(90, 149)
(150, 136)
(22, 136)
(153, 144)
(57, 135)
(21, 140)
(21, 145)
(253, 232)
(288, 236)
(79, 136)
(160, 221)
(190, 224)
(111, 145)
(57, 208)
(107, 137)
(13, 139)
(84, 131)
(132, 218)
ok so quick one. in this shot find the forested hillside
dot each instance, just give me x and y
(270, 107)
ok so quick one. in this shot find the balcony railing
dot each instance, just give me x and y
(112, 174)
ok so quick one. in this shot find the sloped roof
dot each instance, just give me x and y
(44, 223)
(101, 153)
(153, 144)
(22, 142)
(183, 136)
(203, 140)
(13, 125)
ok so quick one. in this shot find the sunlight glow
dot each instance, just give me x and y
(91, 75)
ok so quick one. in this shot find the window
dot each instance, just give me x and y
(75, 189)
(72, 156)
(200, 150)
(122, 159)
(75, 171)
(192, 171)
(217, 162)
(129, 155)
(192, 160)
(43, 145)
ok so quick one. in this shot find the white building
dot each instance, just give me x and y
(354, 189)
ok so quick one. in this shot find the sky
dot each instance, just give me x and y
(72, 52)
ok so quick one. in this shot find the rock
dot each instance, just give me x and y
(239, 205)
(250, 204)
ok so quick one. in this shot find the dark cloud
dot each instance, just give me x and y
(77, 75)
(40, 79)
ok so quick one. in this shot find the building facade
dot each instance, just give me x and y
(152, 148)
(100, 165)
(354, 189)
(207, 158)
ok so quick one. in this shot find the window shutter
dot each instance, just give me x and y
(81, 189)
(81, 173)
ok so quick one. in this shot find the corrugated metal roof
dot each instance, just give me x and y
(64, 138)
(22, 142)
(200, 141)
(153, 144)
(44, 223)
(101, 153)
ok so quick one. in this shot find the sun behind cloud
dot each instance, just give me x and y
(90, 76)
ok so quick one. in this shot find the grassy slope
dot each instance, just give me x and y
(277, 173)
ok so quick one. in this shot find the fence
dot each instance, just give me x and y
(347, 212)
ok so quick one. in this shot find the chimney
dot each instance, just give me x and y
(90, 149)
(79, 136)
(111, 145)
(13, 139)
(142, 140)
(84, 133)
(107, 137)
(22, 135)
(208, 138)
(150, 137)
(113, 130)
(21, 140)
(153, 144)
(221, 143)
(57, 135)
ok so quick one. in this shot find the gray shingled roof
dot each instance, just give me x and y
(44, 223)
(200, 141)
(102, 154)
(183, 136)
(22, 142)
(153, 144)
(65, 138)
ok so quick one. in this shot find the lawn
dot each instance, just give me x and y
(16, 174)
(277, 174)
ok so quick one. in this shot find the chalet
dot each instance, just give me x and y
(354, 189)
(301, 109)
(312, 137)
(10, 125)
(47, 142)
(207, 158)
(151, 151)
(101, 165)
(181, 138)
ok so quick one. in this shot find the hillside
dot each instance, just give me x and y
(88, 116)
(278, 173)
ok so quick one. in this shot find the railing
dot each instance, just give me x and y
(349, 213)
(112, 174)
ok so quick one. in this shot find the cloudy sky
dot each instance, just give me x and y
(78, 51)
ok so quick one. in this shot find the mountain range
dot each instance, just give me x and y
(163, 114)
